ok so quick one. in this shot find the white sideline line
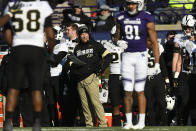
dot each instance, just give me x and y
(90, 129)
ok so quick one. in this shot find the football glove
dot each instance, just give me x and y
(175, 79)
(123, 44)
(50, 59)
(175, 82)
(157, 68)
(75, 60)
(15, 8)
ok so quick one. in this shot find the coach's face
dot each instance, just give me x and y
(84, 37)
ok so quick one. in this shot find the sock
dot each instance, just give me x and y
(142, 119)
(9, 115)
(37, 117)
(129, 118)
(116, 120)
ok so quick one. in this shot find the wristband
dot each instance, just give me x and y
(167, 80)
(176, 74)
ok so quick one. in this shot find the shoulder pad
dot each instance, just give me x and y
(147, 12)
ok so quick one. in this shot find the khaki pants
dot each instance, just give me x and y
(90, 86)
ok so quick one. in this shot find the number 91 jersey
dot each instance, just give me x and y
(134, 30)
(116, 53)
(28, 23)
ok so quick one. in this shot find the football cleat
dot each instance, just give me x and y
(138, 126)
(128, 126)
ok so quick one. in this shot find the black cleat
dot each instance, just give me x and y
(7, 125)
(36, 126)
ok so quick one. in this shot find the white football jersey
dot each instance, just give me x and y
(116, 53)
(191, 49)
(180, 39)
(65, 46)
(190, 46)
(28, 23)
(151, 61)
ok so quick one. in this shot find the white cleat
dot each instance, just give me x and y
(138, 126)
(128, 126)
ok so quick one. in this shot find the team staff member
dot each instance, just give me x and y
(97, 58)
(180, 67)
(28, 56)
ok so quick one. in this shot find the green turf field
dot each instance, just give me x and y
(157, 128)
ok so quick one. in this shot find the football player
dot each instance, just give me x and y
(185, 40)
(28, 58)
(59, 75)
(9, 14)
(155, 91)
(115, 82)
(133, 26)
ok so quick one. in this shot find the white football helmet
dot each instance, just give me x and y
(188, 21)
(170, 102)
(58, 32)
(139, 7)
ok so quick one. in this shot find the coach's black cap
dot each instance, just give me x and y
(83, 29)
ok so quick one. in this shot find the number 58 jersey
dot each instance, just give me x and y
(28, 23)
(134, 30)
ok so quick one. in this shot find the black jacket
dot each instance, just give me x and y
(69, 16)
(104, 25)
(91, 53)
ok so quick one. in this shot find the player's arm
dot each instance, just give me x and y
(50, 35)
(153, 38)
(4, 19)
(9, 14)
(116, 36)
(176, 64)
(176, 61)
(7, 31)
(58, 57)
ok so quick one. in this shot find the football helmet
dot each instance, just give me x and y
(58, 32)
(188, 21)
(140, 6)
(170, 102)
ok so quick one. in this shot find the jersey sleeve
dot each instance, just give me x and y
(161, 49)
(63, 47)
(46, 8)
(178, 39)
(149, 17)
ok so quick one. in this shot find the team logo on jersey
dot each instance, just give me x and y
(137, 21)
(88, 52)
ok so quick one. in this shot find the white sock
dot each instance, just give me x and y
(129, 118)
(142, 119)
